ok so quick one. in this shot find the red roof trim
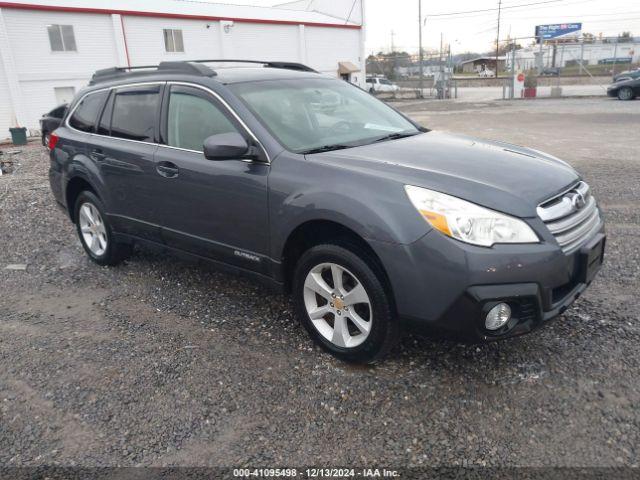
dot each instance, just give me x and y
(54, 8)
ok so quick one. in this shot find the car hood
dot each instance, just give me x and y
(497, 175)
(629, 82)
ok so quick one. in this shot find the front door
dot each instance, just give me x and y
(216, 209)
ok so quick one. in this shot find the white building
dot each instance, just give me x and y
(50, 48)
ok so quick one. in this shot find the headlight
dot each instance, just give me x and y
(467, 221)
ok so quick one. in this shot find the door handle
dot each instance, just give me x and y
(167, 169)
(98, 155)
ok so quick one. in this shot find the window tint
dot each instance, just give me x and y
(173, 40)
(85, 116)
(369, 80)
(58, 112)
(104, 126)
(192, 117)
(62, 38)
(134, 113)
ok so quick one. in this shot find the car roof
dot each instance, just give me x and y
(199, 72)
(252, 74)
(225, 76)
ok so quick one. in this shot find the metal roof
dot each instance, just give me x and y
(488, 57)
(190, 9)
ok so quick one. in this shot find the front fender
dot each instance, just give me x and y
(372, 206)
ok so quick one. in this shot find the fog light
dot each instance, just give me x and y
(498, 317)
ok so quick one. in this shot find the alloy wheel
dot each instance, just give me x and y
(338, 305)
(625, 94)
(92, 227)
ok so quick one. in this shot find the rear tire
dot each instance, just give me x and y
(626, 93)
(353, 318)
(95, 232)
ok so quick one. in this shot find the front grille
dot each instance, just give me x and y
(571, 217)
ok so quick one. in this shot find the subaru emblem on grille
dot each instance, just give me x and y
(578, 201)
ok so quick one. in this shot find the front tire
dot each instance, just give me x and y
(626, 93)
(341, 300)
(95, 233)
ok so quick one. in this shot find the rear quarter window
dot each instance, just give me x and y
(58, 112)
(85, 115)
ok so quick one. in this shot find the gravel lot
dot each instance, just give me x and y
(163, 361)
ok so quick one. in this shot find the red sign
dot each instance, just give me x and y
(521, 77)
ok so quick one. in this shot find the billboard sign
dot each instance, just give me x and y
(558, 30)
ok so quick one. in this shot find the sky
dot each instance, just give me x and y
(477, 31)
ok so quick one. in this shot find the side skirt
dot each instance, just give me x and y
(265, 280)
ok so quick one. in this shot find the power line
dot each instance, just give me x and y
(597, 15)
(350, 11)
(492, 9)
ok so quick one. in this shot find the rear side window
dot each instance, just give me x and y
(58, 112)
(86, 114)
(192, 117)
(135, 111)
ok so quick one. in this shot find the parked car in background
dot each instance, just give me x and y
(550, 72)
(50, 121)
(486, 73)
(381, 85)
(627, 75)
(625, 89)
(371, 221)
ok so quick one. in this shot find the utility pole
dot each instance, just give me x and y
(440, 82)
(440, 57)
(498, 37)
(420, 54)
(394, 59)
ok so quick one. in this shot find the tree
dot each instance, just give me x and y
(625, 37)
(386, 63)
(503, 49)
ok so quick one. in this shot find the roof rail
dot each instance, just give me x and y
(114, 73)
(269, 64)
(190, 67)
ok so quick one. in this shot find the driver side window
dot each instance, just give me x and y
(192, 117)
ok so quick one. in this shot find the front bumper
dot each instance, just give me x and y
(441, 284)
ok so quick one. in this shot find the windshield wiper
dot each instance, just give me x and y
(325, 148)
(395, 136)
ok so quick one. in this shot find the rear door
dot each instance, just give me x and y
(217, 209)
(123, 147)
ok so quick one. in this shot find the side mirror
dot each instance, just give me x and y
(226, 146)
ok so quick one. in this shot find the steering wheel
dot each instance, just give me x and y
(341, 127)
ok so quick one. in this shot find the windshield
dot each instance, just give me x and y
(305, 115)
